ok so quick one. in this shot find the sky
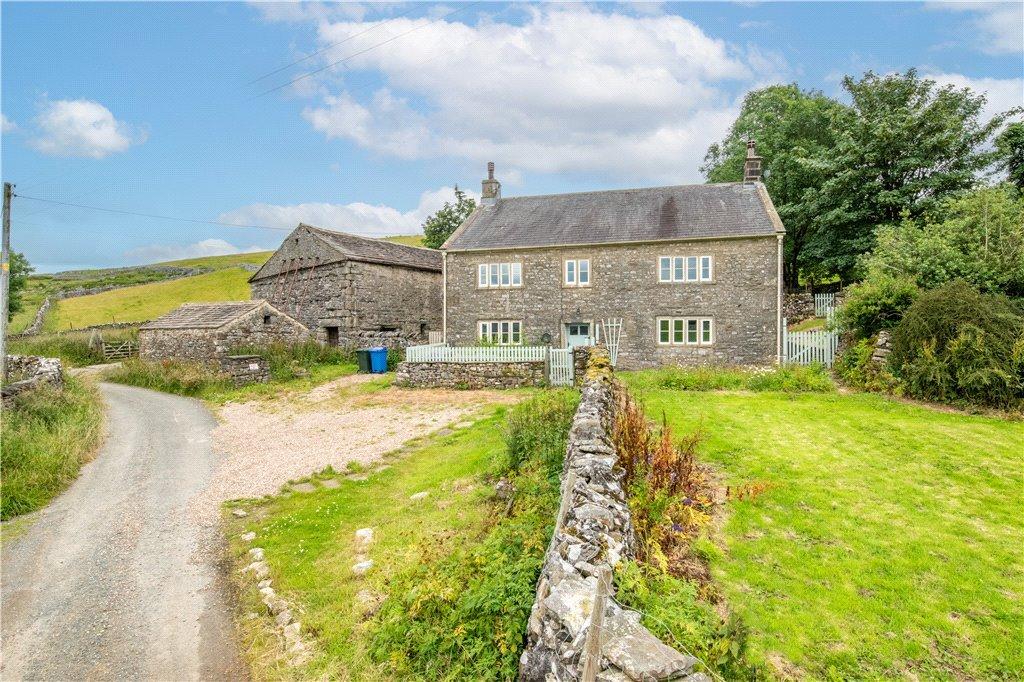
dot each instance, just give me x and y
(364, 117)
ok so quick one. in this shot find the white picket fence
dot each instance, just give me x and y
(805, 348)
(439, 352)
(824, 305)
(561, 371)
(435, 337)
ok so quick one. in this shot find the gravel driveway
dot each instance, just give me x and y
(114, 581)
(266, 444)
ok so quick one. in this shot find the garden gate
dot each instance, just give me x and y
(560, 367)
(805, 348)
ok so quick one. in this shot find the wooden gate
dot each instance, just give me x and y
(560, 367)
(119, 351)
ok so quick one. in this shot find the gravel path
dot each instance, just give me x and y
(114, 581)
(267, 444)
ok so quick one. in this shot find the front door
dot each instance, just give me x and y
(577, 334)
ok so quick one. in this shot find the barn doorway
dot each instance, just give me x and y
(332, 336)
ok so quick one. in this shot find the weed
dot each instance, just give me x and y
(194, 379)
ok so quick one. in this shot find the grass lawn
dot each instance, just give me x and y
(889, 543)
(149, 301)
(310, 545)
(47, 436)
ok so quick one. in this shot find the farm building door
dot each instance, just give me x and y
(332, 336)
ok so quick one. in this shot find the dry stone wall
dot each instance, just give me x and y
(27, 372)
(246, 369)
(593, 532)
(471, 374)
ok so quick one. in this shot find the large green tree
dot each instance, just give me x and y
(439, 226)
(904, 144)
(20, 270)
(792, 128)
(1010, 147)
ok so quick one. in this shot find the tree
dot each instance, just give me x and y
(793, 134)
(1010, 145)
(439, 226)
(20, 270)
(903, 145)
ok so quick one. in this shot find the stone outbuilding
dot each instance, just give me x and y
(352, 290)
(211, 331)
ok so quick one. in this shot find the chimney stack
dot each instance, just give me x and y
(491, 191)
(752, 165)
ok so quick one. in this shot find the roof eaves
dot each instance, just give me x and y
(463, 227)
(769, 207)
(626, 242)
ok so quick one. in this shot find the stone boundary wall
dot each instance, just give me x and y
(246, 369)
(593, 532)
(471, 374)
(30, 372)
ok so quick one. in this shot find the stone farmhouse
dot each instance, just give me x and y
(693, 271)
(210, 331)
(351, 290)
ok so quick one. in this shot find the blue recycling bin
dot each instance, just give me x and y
(378, 360)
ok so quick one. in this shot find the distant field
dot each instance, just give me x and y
(220, 262)
(148, 301)
(407, 239)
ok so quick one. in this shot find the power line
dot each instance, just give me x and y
(356, 54)
(151, 215)
(327, 47)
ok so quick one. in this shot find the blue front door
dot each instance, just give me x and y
(577, 334)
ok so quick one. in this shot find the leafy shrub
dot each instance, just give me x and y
(955, 343)
(855, 368)
(47, 435)
(171, 376)
(793, 379)
(462, 613)
(875, 304)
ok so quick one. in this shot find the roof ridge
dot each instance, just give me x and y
(628, 189)
(365, 238)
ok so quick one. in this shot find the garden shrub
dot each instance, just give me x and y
(462, 613)
(875, 304)
(957, 344)
(855, 368)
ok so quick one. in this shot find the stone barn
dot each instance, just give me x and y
(210, 331)
(351, 290)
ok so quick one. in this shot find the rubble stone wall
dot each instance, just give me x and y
(246, 369)
(471, 374)
(27, 372)
(593, 532)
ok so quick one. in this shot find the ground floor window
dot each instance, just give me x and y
(501, 332)
(685, 331)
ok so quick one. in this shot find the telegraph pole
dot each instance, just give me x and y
(5, 278)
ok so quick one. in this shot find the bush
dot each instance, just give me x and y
(855, 368)
(462, 613)
(47, 435)
(957, 344)
(791, 379)
(875, 304)
(193, 379)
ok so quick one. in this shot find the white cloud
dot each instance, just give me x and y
(355, 218)
(569, 89)
(7, 125)
(1002, 93)
(995, 27)
(81, 127)
(156, 253)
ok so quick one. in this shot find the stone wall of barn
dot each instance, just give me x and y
(369, 303)
(211, 344)
(741, 299)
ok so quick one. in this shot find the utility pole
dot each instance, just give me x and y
(5, 278)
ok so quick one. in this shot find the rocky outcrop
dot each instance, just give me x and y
(593, 532)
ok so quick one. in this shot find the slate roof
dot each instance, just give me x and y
(371, 250)
(203, 315)
(621, 216)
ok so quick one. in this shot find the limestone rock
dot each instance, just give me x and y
(256, 553)
(419, 496)
(239, 513)
(283, 618)
(642, 656)
(362, 567)
(248, 537)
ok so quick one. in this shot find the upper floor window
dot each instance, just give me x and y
(499, 275)
(577, 273)
(685, 269)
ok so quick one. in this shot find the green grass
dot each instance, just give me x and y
(72, 348)
(809, 324)
(792, 379)
(47, 436)
(221, 262)
(889, 543)
(456, 574)
(148, 301)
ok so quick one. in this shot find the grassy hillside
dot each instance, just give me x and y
(407, 239)
(148, 301)
(220, 262)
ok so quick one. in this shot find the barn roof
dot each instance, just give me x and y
(204, 315)
(621, 216)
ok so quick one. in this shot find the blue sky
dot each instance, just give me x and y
(150, 108)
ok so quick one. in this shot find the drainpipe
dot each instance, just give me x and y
(444, 296)
(778, 311)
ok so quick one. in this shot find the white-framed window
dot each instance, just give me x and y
(685, 269)
(576, 272)
(499, 275)
(501, 332)
(685, 331)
